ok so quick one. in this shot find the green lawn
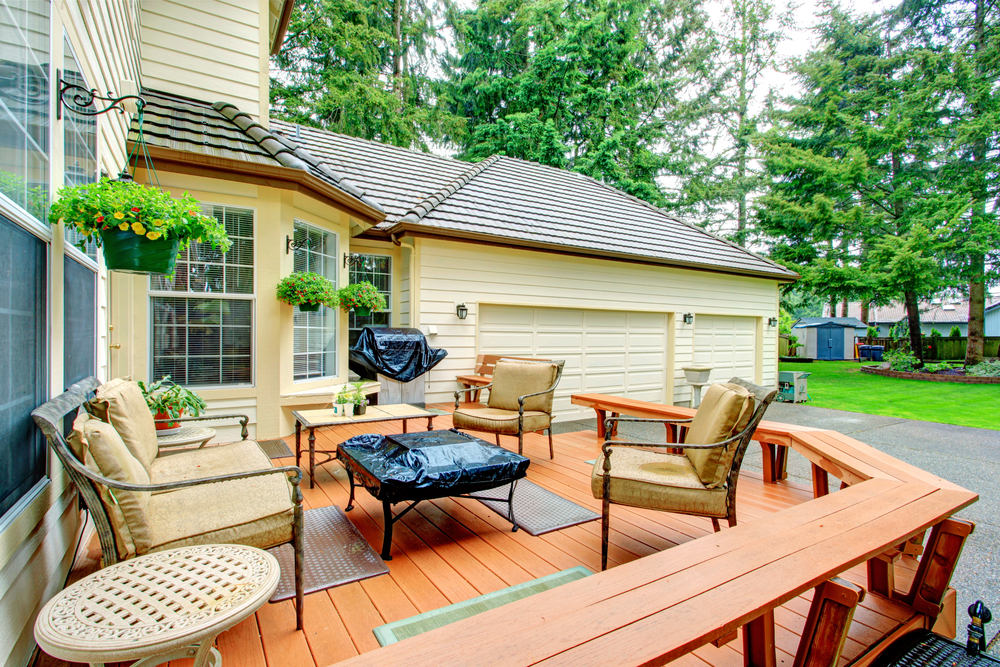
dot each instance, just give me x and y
(842, 386)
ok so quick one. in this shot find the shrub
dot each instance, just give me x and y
(956, 332)
(935, 333)
(989, 368)
(872, 332)
(901, 360)
(934, 368)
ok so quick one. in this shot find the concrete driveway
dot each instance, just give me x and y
(967, 456)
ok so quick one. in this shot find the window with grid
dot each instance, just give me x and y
(79, 142)
(376, 269)
(315, 334)
(202, 317)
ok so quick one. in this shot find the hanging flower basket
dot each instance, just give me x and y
(362, 298)
(308, 291)
(140, 228)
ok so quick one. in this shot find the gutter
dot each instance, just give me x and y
(283, 21)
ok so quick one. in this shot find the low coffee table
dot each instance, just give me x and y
(314, 419)
(422, 466)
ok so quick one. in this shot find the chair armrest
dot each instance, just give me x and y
(470, 389)
(520, 399)
(244, 420)
(648, 420)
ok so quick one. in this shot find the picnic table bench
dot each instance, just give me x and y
(661, 607)
(483, 375)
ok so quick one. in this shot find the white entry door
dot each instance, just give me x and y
(607, 352)
(727, 344)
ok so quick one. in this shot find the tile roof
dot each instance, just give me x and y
(930, 313)
(222, 130)
(807, 322)
(521, 202)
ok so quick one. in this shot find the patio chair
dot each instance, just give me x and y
(520, 401)
(701, 478)
(141, 504)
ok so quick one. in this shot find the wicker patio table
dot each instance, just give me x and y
(158, 607)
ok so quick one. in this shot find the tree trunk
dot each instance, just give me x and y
(977, 261)
(913, 319)
(833, 306)
(864, 311)
(844, 308)
(397, 50)
(977, 318)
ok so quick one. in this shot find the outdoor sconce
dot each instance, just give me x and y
(688, 318)
(773, 322)
(462, 311)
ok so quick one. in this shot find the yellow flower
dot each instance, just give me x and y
(123, 226)
(157, 222)
(119, 215)
(87, 232)
(138, 228)
(152, 236)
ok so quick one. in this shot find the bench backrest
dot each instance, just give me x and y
(486, 363)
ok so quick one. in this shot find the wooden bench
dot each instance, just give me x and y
(664, 606)
(483, 375)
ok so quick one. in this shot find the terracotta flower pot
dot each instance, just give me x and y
(162, 426)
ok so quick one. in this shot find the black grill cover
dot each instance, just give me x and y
(400, 354)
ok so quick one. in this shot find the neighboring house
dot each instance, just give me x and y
(935, 314)
(549, 263)
(992, 327)
(829, 338)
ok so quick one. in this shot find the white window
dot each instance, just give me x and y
(315, 334)
(79, 141)
(202, 317)
(376, 269)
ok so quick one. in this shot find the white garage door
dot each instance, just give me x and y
(606, 352)
(727, 344)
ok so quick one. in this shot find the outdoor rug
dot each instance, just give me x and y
(276, 449)
(335, 554)
(537, 510)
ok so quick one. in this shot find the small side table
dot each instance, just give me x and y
(188, 435)
(158, 607)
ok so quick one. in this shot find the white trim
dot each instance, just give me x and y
(336, 284)
(23, 219)
(22, 503)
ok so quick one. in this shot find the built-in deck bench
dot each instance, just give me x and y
(483, 375)
(661, 607)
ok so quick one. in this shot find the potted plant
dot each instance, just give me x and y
(308, 291)
(361, 297)
(343, 399)
(168, 400)
(140, 228)
(359, 399)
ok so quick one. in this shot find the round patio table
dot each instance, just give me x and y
(158, 607)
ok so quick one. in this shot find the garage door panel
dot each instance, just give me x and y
(508, 342)
(606, 383)
(650, 377)
(605, 319)
(645, 360)
(545, 340)
(613, 341)
(515, 318)
(605, 360)
(653, 341)
(653, 321)
(727, 344)
(565, 318)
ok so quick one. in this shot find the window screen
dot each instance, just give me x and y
(315, 334)
(23, 369)
(80, 325)
(203, 315)
(377, 270)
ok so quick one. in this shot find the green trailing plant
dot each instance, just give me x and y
(166, 398)
(146, 211)
(307, 287)
(901, 360)
(989, 368)
(361, 295)
(956, 332)
(934, 368)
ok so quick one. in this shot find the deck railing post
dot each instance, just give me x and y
(826, 626)
(941, 554)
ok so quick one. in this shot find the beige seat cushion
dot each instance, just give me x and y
(499, 421)
(642, 478)
(104, 452)
(724, 411)
(513, 379)
(256, 511)
(242, 456)
(120, 403)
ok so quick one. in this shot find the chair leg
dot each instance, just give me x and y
(605, 530)
(298, 547)
(520, 443)
(715, 524)
(551, 451)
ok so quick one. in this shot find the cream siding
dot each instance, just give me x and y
(451, 273)
(206, 49)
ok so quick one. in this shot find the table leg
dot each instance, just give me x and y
(387, 519)
(312, 458)
(430, 423)
(298, 441)
(475, 395)
(770, 474)
(781, 461)
(350, 501)
(404, 426)
(601, 416)
(821, 482)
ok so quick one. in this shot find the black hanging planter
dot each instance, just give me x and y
(309, 307)
(361, 311)
(128, 252)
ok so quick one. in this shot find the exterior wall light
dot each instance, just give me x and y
(773, 322)
(462, 311)
(688, 318)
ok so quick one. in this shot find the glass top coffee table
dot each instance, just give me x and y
(314, 419)
(422, 466)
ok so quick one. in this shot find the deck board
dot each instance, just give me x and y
(448, 550)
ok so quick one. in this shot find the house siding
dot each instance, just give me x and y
(207, 49)
(453, 272)
(992, 324)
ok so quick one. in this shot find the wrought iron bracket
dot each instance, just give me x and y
(80, 99)
(352, 259)
(291, 244)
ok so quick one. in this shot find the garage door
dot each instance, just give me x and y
(607, 352)
(727, 344)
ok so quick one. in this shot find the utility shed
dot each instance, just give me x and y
(829, 338)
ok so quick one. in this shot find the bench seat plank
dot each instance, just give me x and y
(663, 606)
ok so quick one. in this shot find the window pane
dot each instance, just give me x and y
(79, 142)
(377, 270)
(202, 341)
(23, 369)
(315, 334)
(80, 314)
(24, 104)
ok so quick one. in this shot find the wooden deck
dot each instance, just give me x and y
(447, 550)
